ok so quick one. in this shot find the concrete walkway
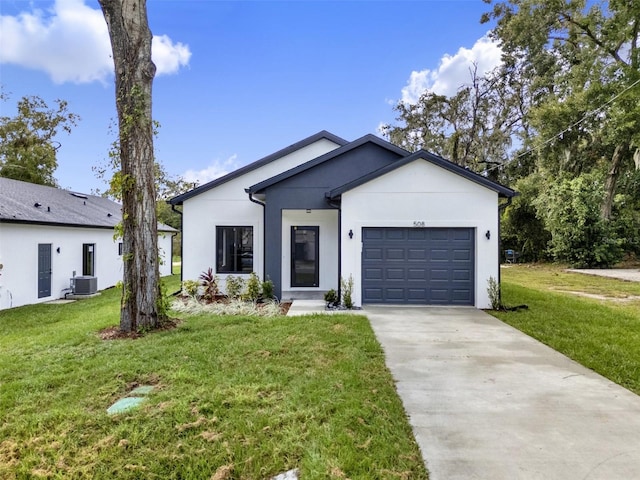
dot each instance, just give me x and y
(487, 402)
(628, 274)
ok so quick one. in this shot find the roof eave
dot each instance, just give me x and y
(179, 199)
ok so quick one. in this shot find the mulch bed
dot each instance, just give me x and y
(114, 332)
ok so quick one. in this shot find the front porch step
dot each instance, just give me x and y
(296, 295)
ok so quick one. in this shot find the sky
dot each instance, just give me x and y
(239, 80)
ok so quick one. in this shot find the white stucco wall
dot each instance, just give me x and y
(19, 257)
(327, 221)
(229, 205)
(422, 192)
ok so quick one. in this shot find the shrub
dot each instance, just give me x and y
(210, 285)
(190, 288)
(579, 235)
(346, 287)
(235, 286)
(233, 307)
(253, 288)
(493, 289)
(331, 297)
(267, 289)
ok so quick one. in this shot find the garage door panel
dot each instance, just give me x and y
(394, 294)
(417, 295)
(418, 234)
(416, 253)
(461, 275)
(375, 294)
(395, 274)
(417, 274)
(373, 273)
(394, 254)
(373, 253)
(395, 234)
(418, 265)
(439, 234)
(440, 255)
(461, 255)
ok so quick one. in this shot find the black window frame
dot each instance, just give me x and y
(89, 259)
(234, 249)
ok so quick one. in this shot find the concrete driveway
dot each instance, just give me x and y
(487, 402)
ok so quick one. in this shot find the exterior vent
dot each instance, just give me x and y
(84, 285)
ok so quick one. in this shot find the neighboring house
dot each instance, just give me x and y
(408, 228)
(49, 235)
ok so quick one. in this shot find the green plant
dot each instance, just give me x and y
(493, 289)
(163, 302)
(331, 297)
(190, 288)
(253, 288)
(579, 235)
(267, 289)
(346, 287)
(210, 284)
(234, 286)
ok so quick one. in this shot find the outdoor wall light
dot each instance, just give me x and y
(488, 235)
(350, 233)
(58, 249)
(308, 210)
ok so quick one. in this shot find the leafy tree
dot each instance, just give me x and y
(523, 230)
(27, 140)
(473, 128)
(579, 235)
(142, 305)
(578, 58)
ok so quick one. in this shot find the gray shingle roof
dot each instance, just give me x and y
(30, 203)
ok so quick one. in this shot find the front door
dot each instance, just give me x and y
(304, 257)
(44, 270)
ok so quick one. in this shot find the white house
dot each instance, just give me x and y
(49, 236)
(407, 228)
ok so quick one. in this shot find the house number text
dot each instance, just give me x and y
(418, 223)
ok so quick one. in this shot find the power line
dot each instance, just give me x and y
(584, 117)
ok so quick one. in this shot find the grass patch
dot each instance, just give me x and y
(246, 397)
(601, 333)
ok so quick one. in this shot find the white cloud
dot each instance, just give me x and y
(167, 56)
(453, 70)
(70, 42)
(217, 169)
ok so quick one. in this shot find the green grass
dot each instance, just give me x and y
(259, 396)
(602, 334)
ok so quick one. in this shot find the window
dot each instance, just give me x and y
(234, 249)
(88, 258)
(120, 249)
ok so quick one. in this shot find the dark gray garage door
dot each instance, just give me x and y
(428, 266)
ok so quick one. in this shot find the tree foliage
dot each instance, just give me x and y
(559, 120)
(473, 128)
(28, 144)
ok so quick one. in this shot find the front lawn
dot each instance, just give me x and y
(594, 320)
(234, 398)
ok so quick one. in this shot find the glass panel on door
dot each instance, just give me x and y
(304, 257)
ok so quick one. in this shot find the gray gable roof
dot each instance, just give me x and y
(257, 164)
(431, 158)
(22, 202)
(327, 156)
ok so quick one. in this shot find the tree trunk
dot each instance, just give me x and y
(611, 181)
(134, 71)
